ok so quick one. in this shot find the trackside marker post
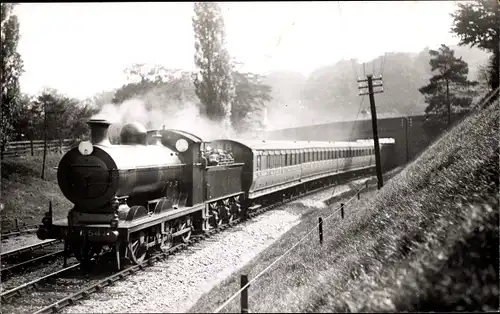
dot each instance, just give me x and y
(244, 294)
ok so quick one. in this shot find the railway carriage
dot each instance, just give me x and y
(280, 169)
(157, 187)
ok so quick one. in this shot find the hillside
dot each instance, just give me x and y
(428, 241)
(330, 93)
(25, 195)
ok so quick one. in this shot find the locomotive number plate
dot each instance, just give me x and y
(96, 232)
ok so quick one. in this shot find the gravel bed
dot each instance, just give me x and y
(32, 274)
(176, 284)
(13, 243)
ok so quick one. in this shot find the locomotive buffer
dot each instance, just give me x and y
(362, 91)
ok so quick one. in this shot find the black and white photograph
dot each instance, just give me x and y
(250, 157)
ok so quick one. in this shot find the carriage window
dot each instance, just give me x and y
(283, 160)
(268, 161)
(258, 162)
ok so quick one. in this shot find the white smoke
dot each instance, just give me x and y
(174, 115)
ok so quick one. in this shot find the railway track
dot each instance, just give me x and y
(19, 231)
(17, 260)
(64, 287)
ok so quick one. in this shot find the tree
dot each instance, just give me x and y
(27, 120)
(251, 96)
(449, 87)
(477, 24)
(213, 80)
(10, 71)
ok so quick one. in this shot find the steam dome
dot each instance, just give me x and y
(133, 133)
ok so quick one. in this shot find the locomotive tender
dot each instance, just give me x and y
(156, 187)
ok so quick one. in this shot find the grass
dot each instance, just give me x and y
(25, 195)
(428, 241)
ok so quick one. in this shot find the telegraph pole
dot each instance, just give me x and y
(369, 80)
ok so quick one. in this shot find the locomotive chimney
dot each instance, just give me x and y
(99, 131)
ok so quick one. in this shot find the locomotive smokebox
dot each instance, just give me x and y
(99, 131)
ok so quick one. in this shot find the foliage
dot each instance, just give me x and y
(449, 88)
(251, 96)
(477, 24)
(11, 70)
(213, 80)
(66, 117)
(100, 99)
(167, 84)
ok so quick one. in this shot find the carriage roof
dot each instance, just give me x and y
(289, 145)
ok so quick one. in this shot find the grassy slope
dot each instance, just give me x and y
(25, 195)
(427, 242)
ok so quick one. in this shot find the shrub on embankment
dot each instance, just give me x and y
(428, 241)
(25, 195)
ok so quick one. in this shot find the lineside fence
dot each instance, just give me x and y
(245, 283)
(35, 147)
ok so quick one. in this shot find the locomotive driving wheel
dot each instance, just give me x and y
(182, 224)
(137, 248)
(164, 240)
(227, 209)
(216, 217)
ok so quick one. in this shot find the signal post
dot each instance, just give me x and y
(370, 86)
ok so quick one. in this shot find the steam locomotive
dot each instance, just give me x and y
(157, 187)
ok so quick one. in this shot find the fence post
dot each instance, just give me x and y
(244, 294)
(366, 184)
(16, 221)
(320, 230)
(359, 192)
(60, 146)
(32, 148)
(342, 210)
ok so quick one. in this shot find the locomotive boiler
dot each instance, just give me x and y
(112, 187)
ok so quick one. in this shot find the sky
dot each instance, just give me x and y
(82, 49)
